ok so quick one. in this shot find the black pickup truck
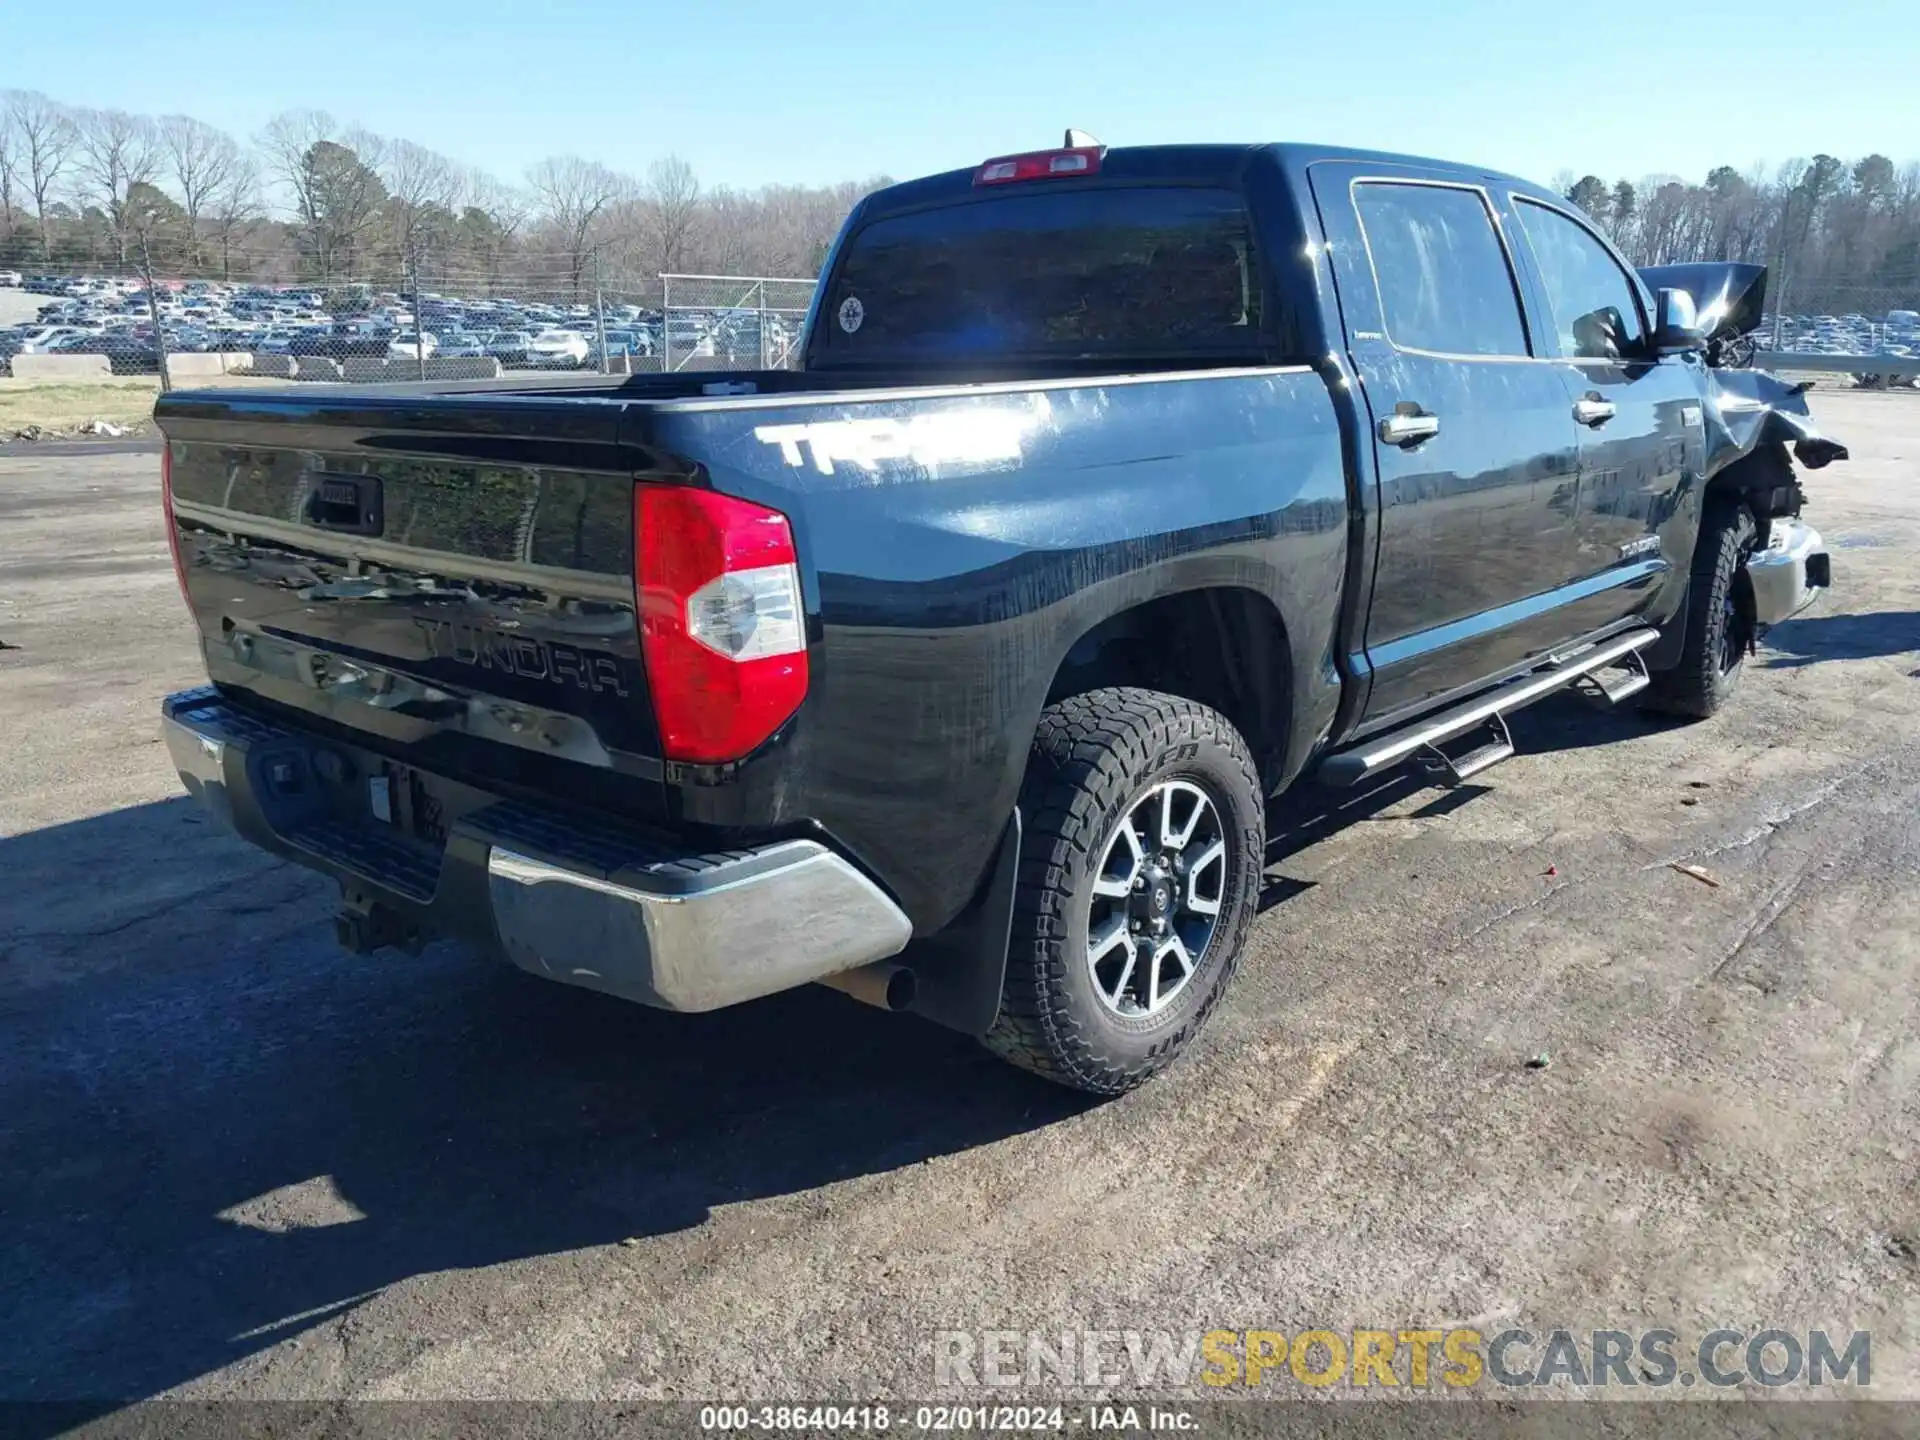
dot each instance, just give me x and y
(1118, 490)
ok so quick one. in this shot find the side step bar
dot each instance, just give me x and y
(1383, 752)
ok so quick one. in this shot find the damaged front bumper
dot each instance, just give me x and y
(1787, 575)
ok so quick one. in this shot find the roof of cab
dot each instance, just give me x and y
(1187, 164)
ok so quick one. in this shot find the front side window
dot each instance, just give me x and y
(1445, 284)
(1595, 309)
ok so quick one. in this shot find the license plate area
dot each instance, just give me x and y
(399, 799)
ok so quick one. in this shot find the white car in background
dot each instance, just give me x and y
(47, 339)
(558, 350)
(11, 279)
(404, 346)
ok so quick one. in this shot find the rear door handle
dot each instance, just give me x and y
(1408, 425)
(1592, 410)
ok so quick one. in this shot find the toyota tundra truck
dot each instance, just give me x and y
(1116, 491)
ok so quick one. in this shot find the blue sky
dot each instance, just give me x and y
(752, 92)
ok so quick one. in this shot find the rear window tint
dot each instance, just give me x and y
(1144, 272)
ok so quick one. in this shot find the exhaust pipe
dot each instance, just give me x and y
(883, 984)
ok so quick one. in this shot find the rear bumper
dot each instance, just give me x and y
(1789, 572)
(625, 911)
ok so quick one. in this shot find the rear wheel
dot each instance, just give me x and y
(1719, 618)
(1139, 877)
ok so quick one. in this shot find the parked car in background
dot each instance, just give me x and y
(509, 347)
(10, 280)
(621, 343)
(406, 345)
(558, 350)
(47, 339)
(458, 345)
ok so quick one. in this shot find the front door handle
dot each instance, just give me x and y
(1408, 425)
(1592, 410)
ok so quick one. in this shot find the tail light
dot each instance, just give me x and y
(172, 525)
(722, 625)
(1041, 165)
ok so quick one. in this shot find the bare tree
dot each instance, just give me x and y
(9, 173)
(116, 152)
(730, 222)
(235, 209)
(332, 178)
(574, 194)
(45, 136)
(202, 162)
(283, 147)
(422, 189)
(493, 216)
(673, 209)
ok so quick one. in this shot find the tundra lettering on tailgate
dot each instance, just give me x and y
(550, 660)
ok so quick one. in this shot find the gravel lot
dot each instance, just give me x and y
(17, 307)
(236, 1163)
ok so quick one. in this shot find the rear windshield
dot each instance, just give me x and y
(1144, 273)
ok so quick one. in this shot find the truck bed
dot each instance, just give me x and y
(952, 541)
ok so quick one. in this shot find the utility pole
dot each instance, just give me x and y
(153, 313)
(419, 325)
(1780, 264)
(600, 313)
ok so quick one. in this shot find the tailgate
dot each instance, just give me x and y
(449, 575)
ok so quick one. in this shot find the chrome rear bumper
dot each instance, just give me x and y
(626, 911)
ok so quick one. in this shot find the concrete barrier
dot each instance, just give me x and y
(369, 370)
(1887, 367)
(272, 367)
(459, 367)
(61, 367)
(316, 367)
(196, 367)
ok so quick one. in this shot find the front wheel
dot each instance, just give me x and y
(1719, 618)
(1139, 876)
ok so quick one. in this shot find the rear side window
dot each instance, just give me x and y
(1594, 308)
(1148, 272)
(1445, 284)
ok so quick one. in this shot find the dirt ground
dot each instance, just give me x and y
(235, 1163)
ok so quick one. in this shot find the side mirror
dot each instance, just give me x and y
(1676, 323)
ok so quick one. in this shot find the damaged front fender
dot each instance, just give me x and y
(1746, 409)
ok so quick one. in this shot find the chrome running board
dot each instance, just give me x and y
(1426, 735)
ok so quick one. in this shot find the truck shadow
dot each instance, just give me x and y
(1309, 813)
(1813, 638)
(220, 1133)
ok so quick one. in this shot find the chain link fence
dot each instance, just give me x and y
(554, 314)
(557, 313)
(732, 321)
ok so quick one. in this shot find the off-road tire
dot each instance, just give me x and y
(1092, 756)
(1700, 682)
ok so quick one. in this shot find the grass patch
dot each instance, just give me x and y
(125, 400)
(69, 404)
